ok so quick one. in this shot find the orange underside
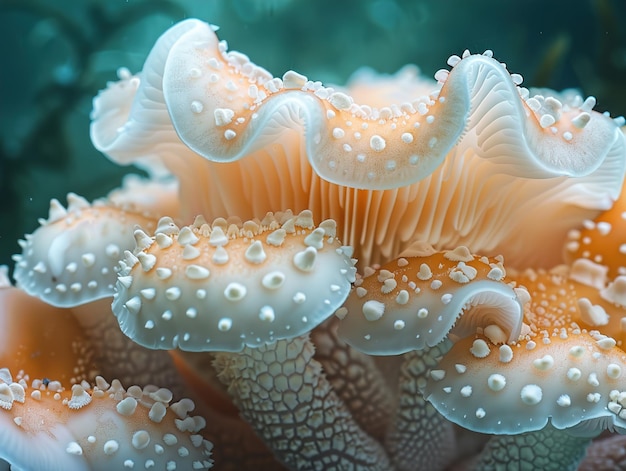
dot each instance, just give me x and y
(43, 341)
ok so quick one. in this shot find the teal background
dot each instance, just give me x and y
(56, 55)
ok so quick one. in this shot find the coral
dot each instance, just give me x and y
(454, 202)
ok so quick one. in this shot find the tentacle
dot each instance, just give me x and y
(605, 454)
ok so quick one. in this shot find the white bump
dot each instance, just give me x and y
(613, 371)
(373, 310)
(197, 107)
(255, 253)
(163, 273)
(377, 143)
(506, 354)
(574, 374)
(341, 101)
(496, 382)
(127, 406)
(544, 363)
(74, 448)
(338, 133)
(140, 439)
(173, 293)
(225, 324)
(606, 343)
(266, 314)
(110, 447)
(479, 348)
(88, 259)
(273, 280)
(402, 297)
(564, 401)
(235, 291)
(133, 304)
(407, 137)
(217, 237)
(531, 394)
(438, 375)
(223, 116)
(424, 273)
(436, 284)
(220, 257)
(315, 238)
(293, 79)
(196, 272)
(577, 351)
(305, 260)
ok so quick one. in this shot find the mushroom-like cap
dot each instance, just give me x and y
(224, 107)
(130, 122)
(605, 454)
(568, 380)
(416, 302)
(46, 427)
(287, 138)
(71, 258)
(557, 372)
(223, 287)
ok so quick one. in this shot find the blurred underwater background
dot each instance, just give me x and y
(58, 54)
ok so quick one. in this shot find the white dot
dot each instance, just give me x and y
(197, 106)
(531, 394)
(377, 143)
(225, 324)
(407, 137)
(235, 291)
(373, 310)
(266, 313)
(338, 133)
(496, 382)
